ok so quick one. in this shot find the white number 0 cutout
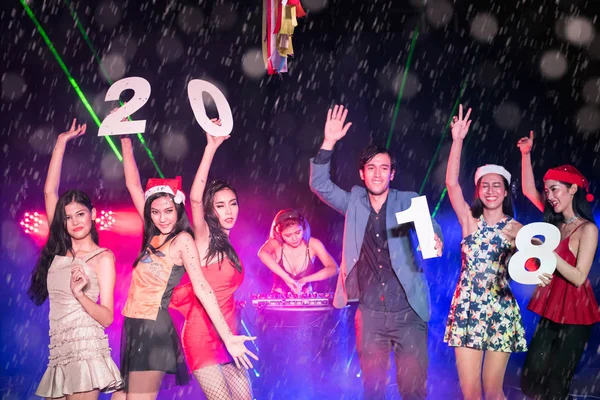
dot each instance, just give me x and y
(195, 89)
(113, 124)
(526, 250)
(418, 213)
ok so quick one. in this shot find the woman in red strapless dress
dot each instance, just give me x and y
(214, 212)
(565, 300)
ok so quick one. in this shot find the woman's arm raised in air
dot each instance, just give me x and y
(132, 176)
(528, 181)
(460, 127)
(199, 184)
(55, 167)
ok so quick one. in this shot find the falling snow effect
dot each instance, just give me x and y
(523, 65)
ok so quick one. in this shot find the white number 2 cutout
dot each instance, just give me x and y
(418, 213)
(195, 89)
(526, 250)
(113, 124)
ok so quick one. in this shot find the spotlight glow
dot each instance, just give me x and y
(106, 220)
(32, 222)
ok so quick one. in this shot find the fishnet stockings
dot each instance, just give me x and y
(224, 382)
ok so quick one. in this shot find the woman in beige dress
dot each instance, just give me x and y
(74, 272)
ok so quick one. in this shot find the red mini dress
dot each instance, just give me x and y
(561, 301)
(201, 342)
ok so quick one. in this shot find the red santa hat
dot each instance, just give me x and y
(170, 186)
(570, 174)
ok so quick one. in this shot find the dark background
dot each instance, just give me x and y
(349, 52)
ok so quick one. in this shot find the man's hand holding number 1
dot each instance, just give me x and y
(418, 213)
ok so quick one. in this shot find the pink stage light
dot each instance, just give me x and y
(106, 220)
(33, 222)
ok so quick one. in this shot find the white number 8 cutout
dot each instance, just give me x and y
(526, 250)
(117, 123)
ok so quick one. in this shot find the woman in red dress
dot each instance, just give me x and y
(565, 300)
(214, 212)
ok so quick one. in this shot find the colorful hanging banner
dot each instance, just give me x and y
(279, 20)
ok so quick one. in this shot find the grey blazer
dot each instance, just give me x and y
(354, 205)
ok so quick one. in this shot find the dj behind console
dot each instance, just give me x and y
(304, 342)
(293, 302)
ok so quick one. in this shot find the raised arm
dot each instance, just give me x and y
(185, 250)
(528, 181)
(103, 313)
(588, 242)
(268, 256)
(132, 176)
(55, 167)
(460, 127)
(320, 180)
(197, 191)
(330, 267)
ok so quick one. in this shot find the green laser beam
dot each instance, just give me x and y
(403, 84)
(89, 43)
(69, 76)
(439, 203)
(446, 128)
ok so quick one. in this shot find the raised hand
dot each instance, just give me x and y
(215, 141)
(334, 127)
(526, 143)
(460, 126)
(74, 132)
(79, 281)
(239, 352)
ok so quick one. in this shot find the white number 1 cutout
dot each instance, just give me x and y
(113, 124)
(526, 250)
(418, 213)
(195, 89)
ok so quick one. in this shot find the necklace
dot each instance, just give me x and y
(571, 220)
(292, 268)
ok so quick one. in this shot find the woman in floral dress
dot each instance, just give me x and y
(484, 317)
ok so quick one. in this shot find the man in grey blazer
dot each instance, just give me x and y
(378, 267)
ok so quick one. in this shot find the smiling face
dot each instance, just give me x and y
(491, 191)
(163, 214)
(79, 220)
(377, 174)
(559, 195)
(226, 208)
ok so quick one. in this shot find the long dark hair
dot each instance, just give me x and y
(581, 207)
(59, 244)
(150, 230)
(507, 206)
(219, 244)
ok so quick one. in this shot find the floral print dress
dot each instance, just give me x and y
(484, 314)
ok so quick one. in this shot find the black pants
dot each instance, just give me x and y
(553, 355)
(377, 334)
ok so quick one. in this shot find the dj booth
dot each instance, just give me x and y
(305, 344)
